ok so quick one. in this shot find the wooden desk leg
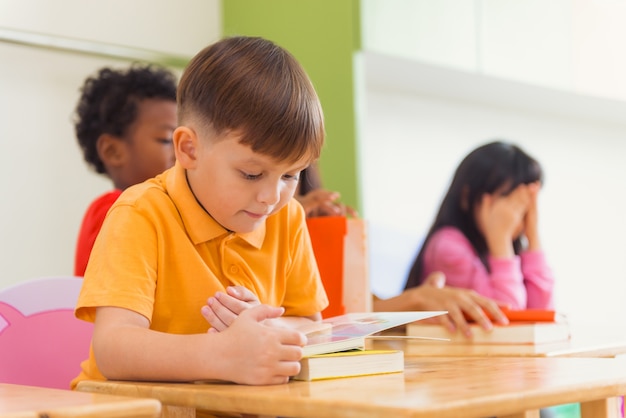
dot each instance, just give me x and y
(528, 414)
(171, 411)
(608, 408)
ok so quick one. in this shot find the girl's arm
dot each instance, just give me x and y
(538, 279)
(433, 295)
(451, 253)
(507, 282)
(531, 219)
(248, 352)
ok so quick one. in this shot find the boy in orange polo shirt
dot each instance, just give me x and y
(221, 222)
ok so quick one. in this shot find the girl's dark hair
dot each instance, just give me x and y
(109, 101)
(495, 167)
(309, 180)
(253, 85)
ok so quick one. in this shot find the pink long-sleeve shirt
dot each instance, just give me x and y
(523, 281)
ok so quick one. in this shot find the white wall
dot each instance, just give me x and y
(445, 76)
(573, 45)
(421, 120)
(45, 183)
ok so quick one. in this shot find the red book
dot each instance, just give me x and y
(529, 315)
(524, 315)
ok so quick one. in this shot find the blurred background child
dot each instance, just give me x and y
(431, 295)
(485, 236)
(124, 123)
(318, 201)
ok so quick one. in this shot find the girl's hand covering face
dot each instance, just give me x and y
(531, 222)
(502, 218)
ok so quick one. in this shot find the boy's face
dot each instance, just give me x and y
(149, 143)
(238, 187)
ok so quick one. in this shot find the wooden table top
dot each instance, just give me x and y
(586, 341)
(17, 401)
(430, 387)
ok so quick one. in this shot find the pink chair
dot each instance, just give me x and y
(41, 342)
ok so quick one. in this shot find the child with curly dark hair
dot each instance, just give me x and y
(124, 122)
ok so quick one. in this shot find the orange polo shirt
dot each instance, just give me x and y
(161, 255)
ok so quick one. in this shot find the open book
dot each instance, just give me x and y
(350, 363)
(349, 331)
(529, 326)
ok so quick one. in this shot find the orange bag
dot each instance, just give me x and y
(339, 245)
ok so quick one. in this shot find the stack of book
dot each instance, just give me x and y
(528, 326)
(350, 363)
(336, 346)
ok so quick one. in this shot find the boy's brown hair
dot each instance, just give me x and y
(252, 85)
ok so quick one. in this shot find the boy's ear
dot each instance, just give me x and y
(185, 146)
(111, 150)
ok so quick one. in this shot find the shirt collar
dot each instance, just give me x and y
(200, 226)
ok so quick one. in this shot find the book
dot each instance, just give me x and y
(349, 331)
(528, 315)
(531, 326)
(350, 364)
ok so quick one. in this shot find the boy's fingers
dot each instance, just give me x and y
(210, 316)
(223, 308)
(262, 312)
(228, 307)
(242, 293)
(293, 338)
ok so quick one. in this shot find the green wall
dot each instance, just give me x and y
(323, 35)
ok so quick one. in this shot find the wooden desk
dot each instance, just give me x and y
(430, 387)
(17, 401)
(586, 341)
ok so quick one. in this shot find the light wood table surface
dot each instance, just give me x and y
(442, 387)
(17, 401)
(586, 340)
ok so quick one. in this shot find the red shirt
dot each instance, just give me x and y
(92, 221)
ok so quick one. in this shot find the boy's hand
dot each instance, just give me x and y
(222, 309)
(258, 354)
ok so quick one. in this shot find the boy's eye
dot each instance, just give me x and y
(250, 176)
(165, 141)
(291, 177)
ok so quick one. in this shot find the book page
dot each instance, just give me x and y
(356, 326)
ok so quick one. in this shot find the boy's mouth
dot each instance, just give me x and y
(255, 215)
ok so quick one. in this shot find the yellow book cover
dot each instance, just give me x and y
(350, 363)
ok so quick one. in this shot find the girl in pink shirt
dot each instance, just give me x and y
(485, 235)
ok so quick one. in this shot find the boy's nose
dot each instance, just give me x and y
(270, 194)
